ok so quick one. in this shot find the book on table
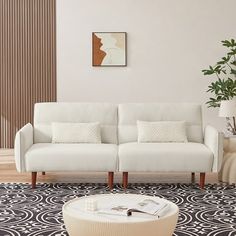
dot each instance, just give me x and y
(146, 206)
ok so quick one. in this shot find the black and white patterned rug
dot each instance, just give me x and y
(24, 211)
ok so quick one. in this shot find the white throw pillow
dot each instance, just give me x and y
(76, 132)
(161, 131)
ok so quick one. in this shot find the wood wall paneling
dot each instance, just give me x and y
(27, 62)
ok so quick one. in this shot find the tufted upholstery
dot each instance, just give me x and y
(46, 113)
(39, 154)
(129, 113)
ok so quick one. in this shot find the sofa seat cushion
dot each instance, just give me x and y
(193, 157)
(71, 157)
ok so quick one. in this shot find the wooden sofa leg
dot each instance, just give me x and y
(202, 180)
(125, 180)
(193, 177)
(43, 173)
(110, 179)
(34, 177)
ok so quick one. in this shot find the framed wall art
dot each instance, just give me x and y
(109, 48)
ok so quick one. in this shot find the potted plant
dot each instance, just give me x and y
(224, 88)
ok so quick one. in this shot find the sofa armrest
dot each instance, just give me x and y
(213, 139)
(23, 141)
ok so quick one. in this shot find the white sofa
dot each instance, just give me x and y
(202, 153)
(119, 150)
(35, 152)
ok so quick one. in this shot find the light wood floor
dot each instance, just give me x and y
(9, 174)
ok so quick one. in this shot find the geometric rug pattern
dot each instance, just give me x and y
(27, 212)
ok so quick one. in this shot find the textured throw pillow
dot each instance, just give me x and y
(161, 131)
(76, 133)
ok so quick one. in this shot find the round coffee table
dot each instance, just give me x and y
(80, 222)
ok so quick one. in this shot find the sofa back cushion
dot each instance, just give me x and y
(46, 113)
(76, 132)
(129, 113)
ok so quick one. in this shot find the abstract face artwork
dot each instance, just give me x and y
(109, 48)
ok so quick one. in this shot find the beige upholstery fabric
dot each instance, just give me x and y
(161, 131)
(46, 113)
(129, 113)
(71, 157)
(23, 141)
(76, 132)
(214, 141)
(41, 155)
(193, 157)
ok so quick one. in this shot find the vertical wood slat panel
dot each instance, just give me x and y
(27, 62)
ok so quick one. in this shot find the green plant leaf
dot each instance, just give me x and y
(233, 63)
(208, 72)
(223, 88)
(226, 43)
(233, 72)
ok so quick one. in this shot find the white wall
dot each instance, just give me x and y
(169, 43)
